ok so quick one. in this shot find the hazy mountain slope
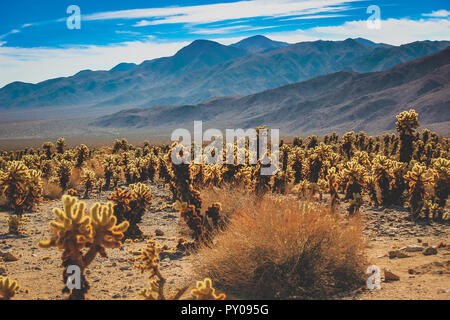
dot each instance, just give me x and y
(206, 69)
(338, 102)
(90, 88)
(290, 64)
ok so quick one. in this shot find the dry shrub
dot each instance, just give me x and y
(75, 178)
(232, 197)
(96, 166)
(52, 191)
(279, 248)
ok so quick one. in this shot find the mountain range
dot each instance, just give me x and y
(206, 69)
(341, 101)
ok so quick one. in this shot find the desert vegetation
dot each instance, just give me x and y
(294, 235)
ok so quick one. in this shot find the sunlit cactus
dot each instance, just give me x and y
(347, 144)
(313, 142)
(355, 204)
(399, 184)
(8, 288)
(122, 199)
(213, 175)
(100, 185)
(106, 232)
(82, 155)
(75, 230)
(72, 192)
(371, 184)
(130, 205)
(284, 175)
(13, 185)
(407, 122)
(419, 177)
(383, 176)
(88, 180)
(361, 141)
(205, 291)
(48, 149)
(63, 170)
(333, 186)
(321, 187)
(432, 210)
(261, 182)
(149, 262)
(297, 142)
(46, 167)
(194, 220)
(151, 166)
(353, 176)
(60, 145)
(314, 167)
(441, 169)
(120, 145)
(15, 224)
(33, 191)
(296, 158)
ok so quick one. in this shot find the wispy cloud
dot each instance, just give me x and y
(319, 16)
(438, 14)
(222, 11)
(3, 36)
(393, 31)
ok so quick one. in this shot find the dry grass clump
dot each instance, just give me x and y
(52, 191)
(234, 197)
(280, 248)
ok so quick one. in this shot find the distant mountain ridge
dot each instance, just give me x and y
(206, 69)
(339, 102)
(258, 44)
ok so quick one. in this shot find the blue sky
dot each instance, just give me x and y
(35, 43)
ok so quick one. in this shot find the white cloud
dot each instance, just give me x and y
(438, 14)
(143, 23)
(2, 36)
(319, 16)
(393, 31)
(39, 64)
(223, 11)
(223, 30)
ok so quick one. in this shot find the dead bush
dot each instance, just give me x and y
(280, 248)
(52, 191)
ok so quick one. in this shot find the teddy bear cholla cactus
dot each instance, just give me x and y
(8, 288)
(88, 180)
(441, 169)
(21, 186)
(205, 291)
(407, 122)
(352, 177)
(130, 205)
(149, 259)
(419, 177)
(82, 236)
